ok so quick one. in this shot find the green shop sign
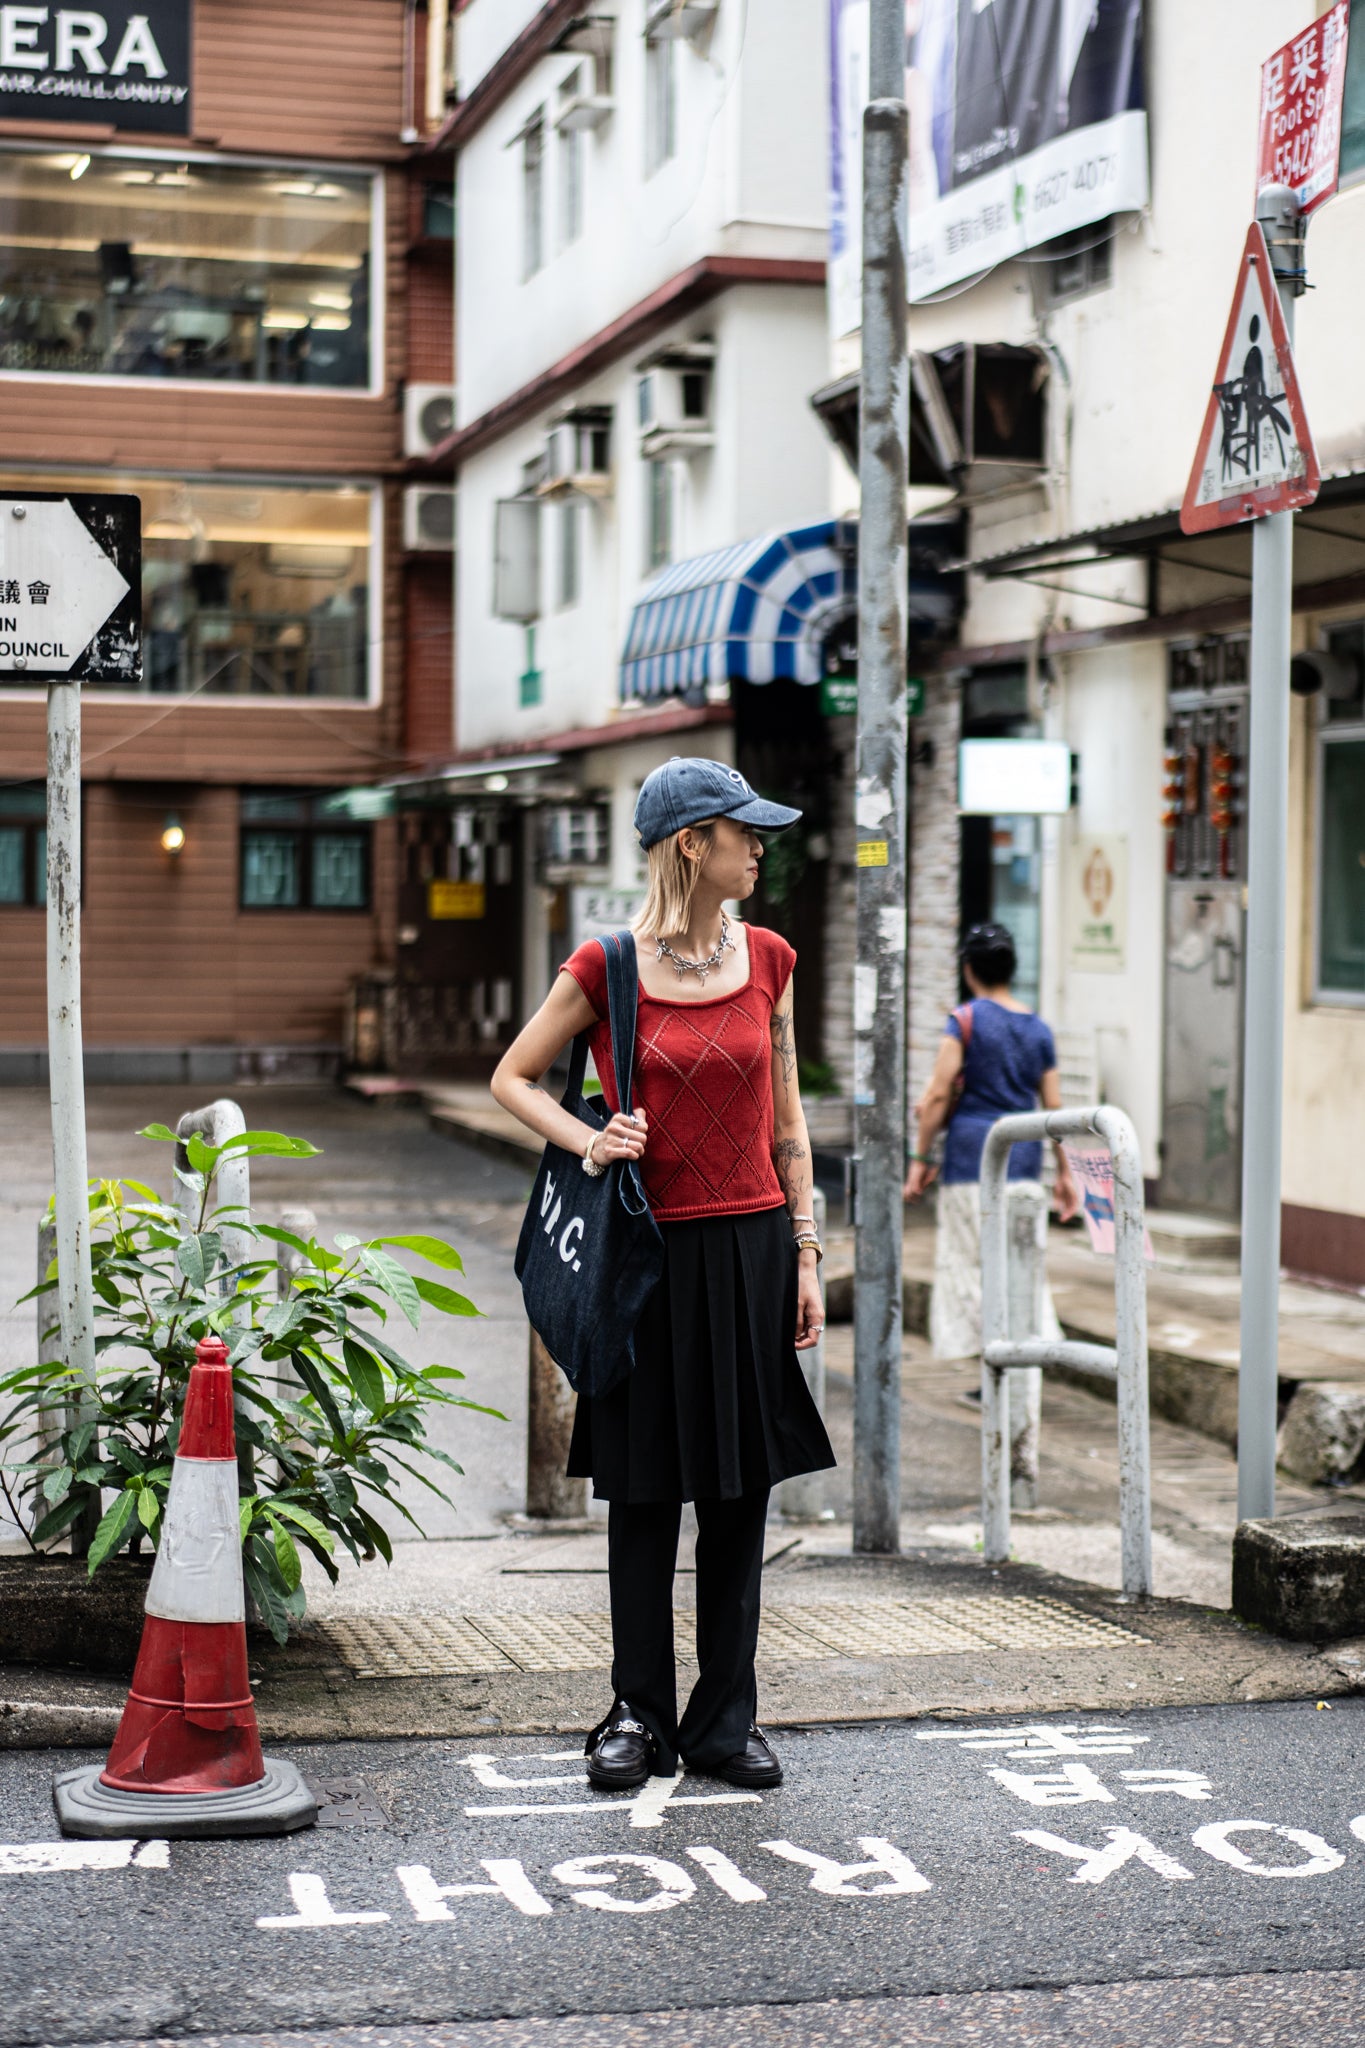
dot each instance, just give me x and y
(839, 696)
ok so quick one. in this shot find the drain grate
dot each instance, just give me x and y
(440, 1646)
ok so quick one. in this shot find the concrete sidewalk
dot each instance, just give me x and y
(498, 1628)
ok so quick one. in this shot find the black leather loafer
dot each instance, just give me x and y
(620, 1751)
(754, 1766)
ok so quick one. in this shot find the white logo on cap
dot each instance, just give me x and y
(735, 776)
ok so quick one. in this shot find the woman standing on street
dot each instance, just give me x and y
(996, 1059)
(716, 1411)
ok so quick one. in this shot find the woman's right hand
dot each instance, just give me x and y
(623, 1138)
(919, 1180)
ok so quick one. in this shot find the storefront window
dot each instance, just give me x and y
(23, 846)
(298, 853)
(248, 590)
(1341, 906)
(124, 265)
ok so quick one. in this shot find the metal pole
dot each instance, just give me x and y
(995, 1318)
(1272, 593)
(881, 796)
(65, 1063)
(1026, 1228)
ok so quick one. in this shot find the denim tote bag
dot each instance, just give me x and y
(590, 1253)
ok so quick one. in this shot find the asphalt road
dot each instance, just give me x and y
(935, 1881)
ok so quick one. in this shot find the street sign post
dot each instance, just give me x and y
(70, 612)
(881, 807)
(1256, 461)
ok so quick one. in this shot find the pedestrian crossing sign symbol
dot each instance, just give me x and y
(1256, 454)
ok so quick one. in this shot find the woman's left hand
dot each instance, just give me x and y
(810, 1310)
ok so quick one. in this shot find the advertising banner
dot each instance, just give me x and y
(1302, 88)
(121, 64)
(1026, 122)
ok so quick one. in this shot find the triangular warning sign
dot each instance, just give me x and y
(1256, 454)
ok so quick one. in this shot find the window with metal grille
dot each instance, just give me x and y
(299, 851)
(23, 846)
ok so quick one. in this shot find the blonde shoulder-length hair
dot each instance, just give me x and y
(671, 886)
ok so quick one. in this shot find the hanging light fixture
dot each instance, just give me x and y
(172, 836)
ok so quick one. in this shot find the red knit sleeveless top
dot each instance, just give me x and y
(703, 1075)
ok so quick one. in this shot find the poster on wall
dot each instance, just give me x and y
(122, 66)
(1097, 912)
(1027, 121)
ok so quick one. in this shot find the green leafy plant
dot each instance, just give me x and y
(329, 1413)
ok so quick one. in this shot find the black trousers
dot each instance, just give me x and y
(642, 1540)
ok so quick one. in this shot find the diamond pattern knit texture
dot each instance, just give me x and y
(703, 1076)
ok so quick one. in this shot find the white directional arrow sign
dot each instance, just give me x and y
(59, 586)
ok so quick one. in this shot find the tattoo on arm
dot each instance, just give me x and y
(784, 1044)
(787, 1156)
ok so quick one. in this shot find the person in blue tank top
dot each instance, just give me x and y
(996, 1059)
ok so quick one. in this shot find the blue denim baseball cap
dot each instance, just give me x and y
(686, 790)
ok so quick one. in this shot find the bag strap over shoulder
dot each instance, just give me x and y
(623, 1003)
(578, 1067)
(964, 1017)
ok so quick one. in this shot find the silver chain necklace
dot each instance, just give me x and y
(701, 968)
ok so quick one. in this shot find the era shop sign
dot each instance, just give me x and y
(120, 66)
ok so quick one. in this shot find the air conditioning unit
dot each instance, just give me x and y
(577, 836)
(429, 519)
(583, 111)
(674, 401)
(428, 417)
(680, 20)
(578, 454)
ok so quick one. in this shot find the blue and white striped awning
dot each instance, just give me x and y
(751, 613)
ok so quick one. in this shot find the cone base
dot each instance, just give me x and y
(279, 1805)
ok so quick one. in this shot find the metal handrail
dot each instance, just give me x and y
(1126, 1363)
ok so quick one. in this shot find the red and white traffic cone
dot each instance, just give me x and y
(187, 1758)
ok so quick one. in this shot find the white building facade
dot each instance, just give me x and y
(1090, 619)
(640, 325)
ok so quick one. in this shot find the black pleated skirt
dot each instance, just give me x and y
(717, 1405)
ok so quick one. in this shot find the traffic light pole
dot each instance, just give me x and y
(879, 998)
(1272, 595)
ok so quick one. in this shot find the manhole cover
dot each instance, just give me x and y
(437, 1646)
(348, 1803)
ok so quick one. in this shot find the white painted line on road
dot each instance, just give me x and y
(35, 1859)
(428, 1899)
(1184, 1784)
(1074, 1738)
(647, 1809)
(485, 1769)
(835, 1880)
(673, 1881)
(1214, 1841)
(1123, 1846)
(315, 1909)
(728, 1876)
(1072, 1785)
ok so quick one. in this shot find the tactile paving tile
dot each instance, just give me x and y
(413, 1646)
(928, 1628)
(549, 1642)
(422, 1645)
